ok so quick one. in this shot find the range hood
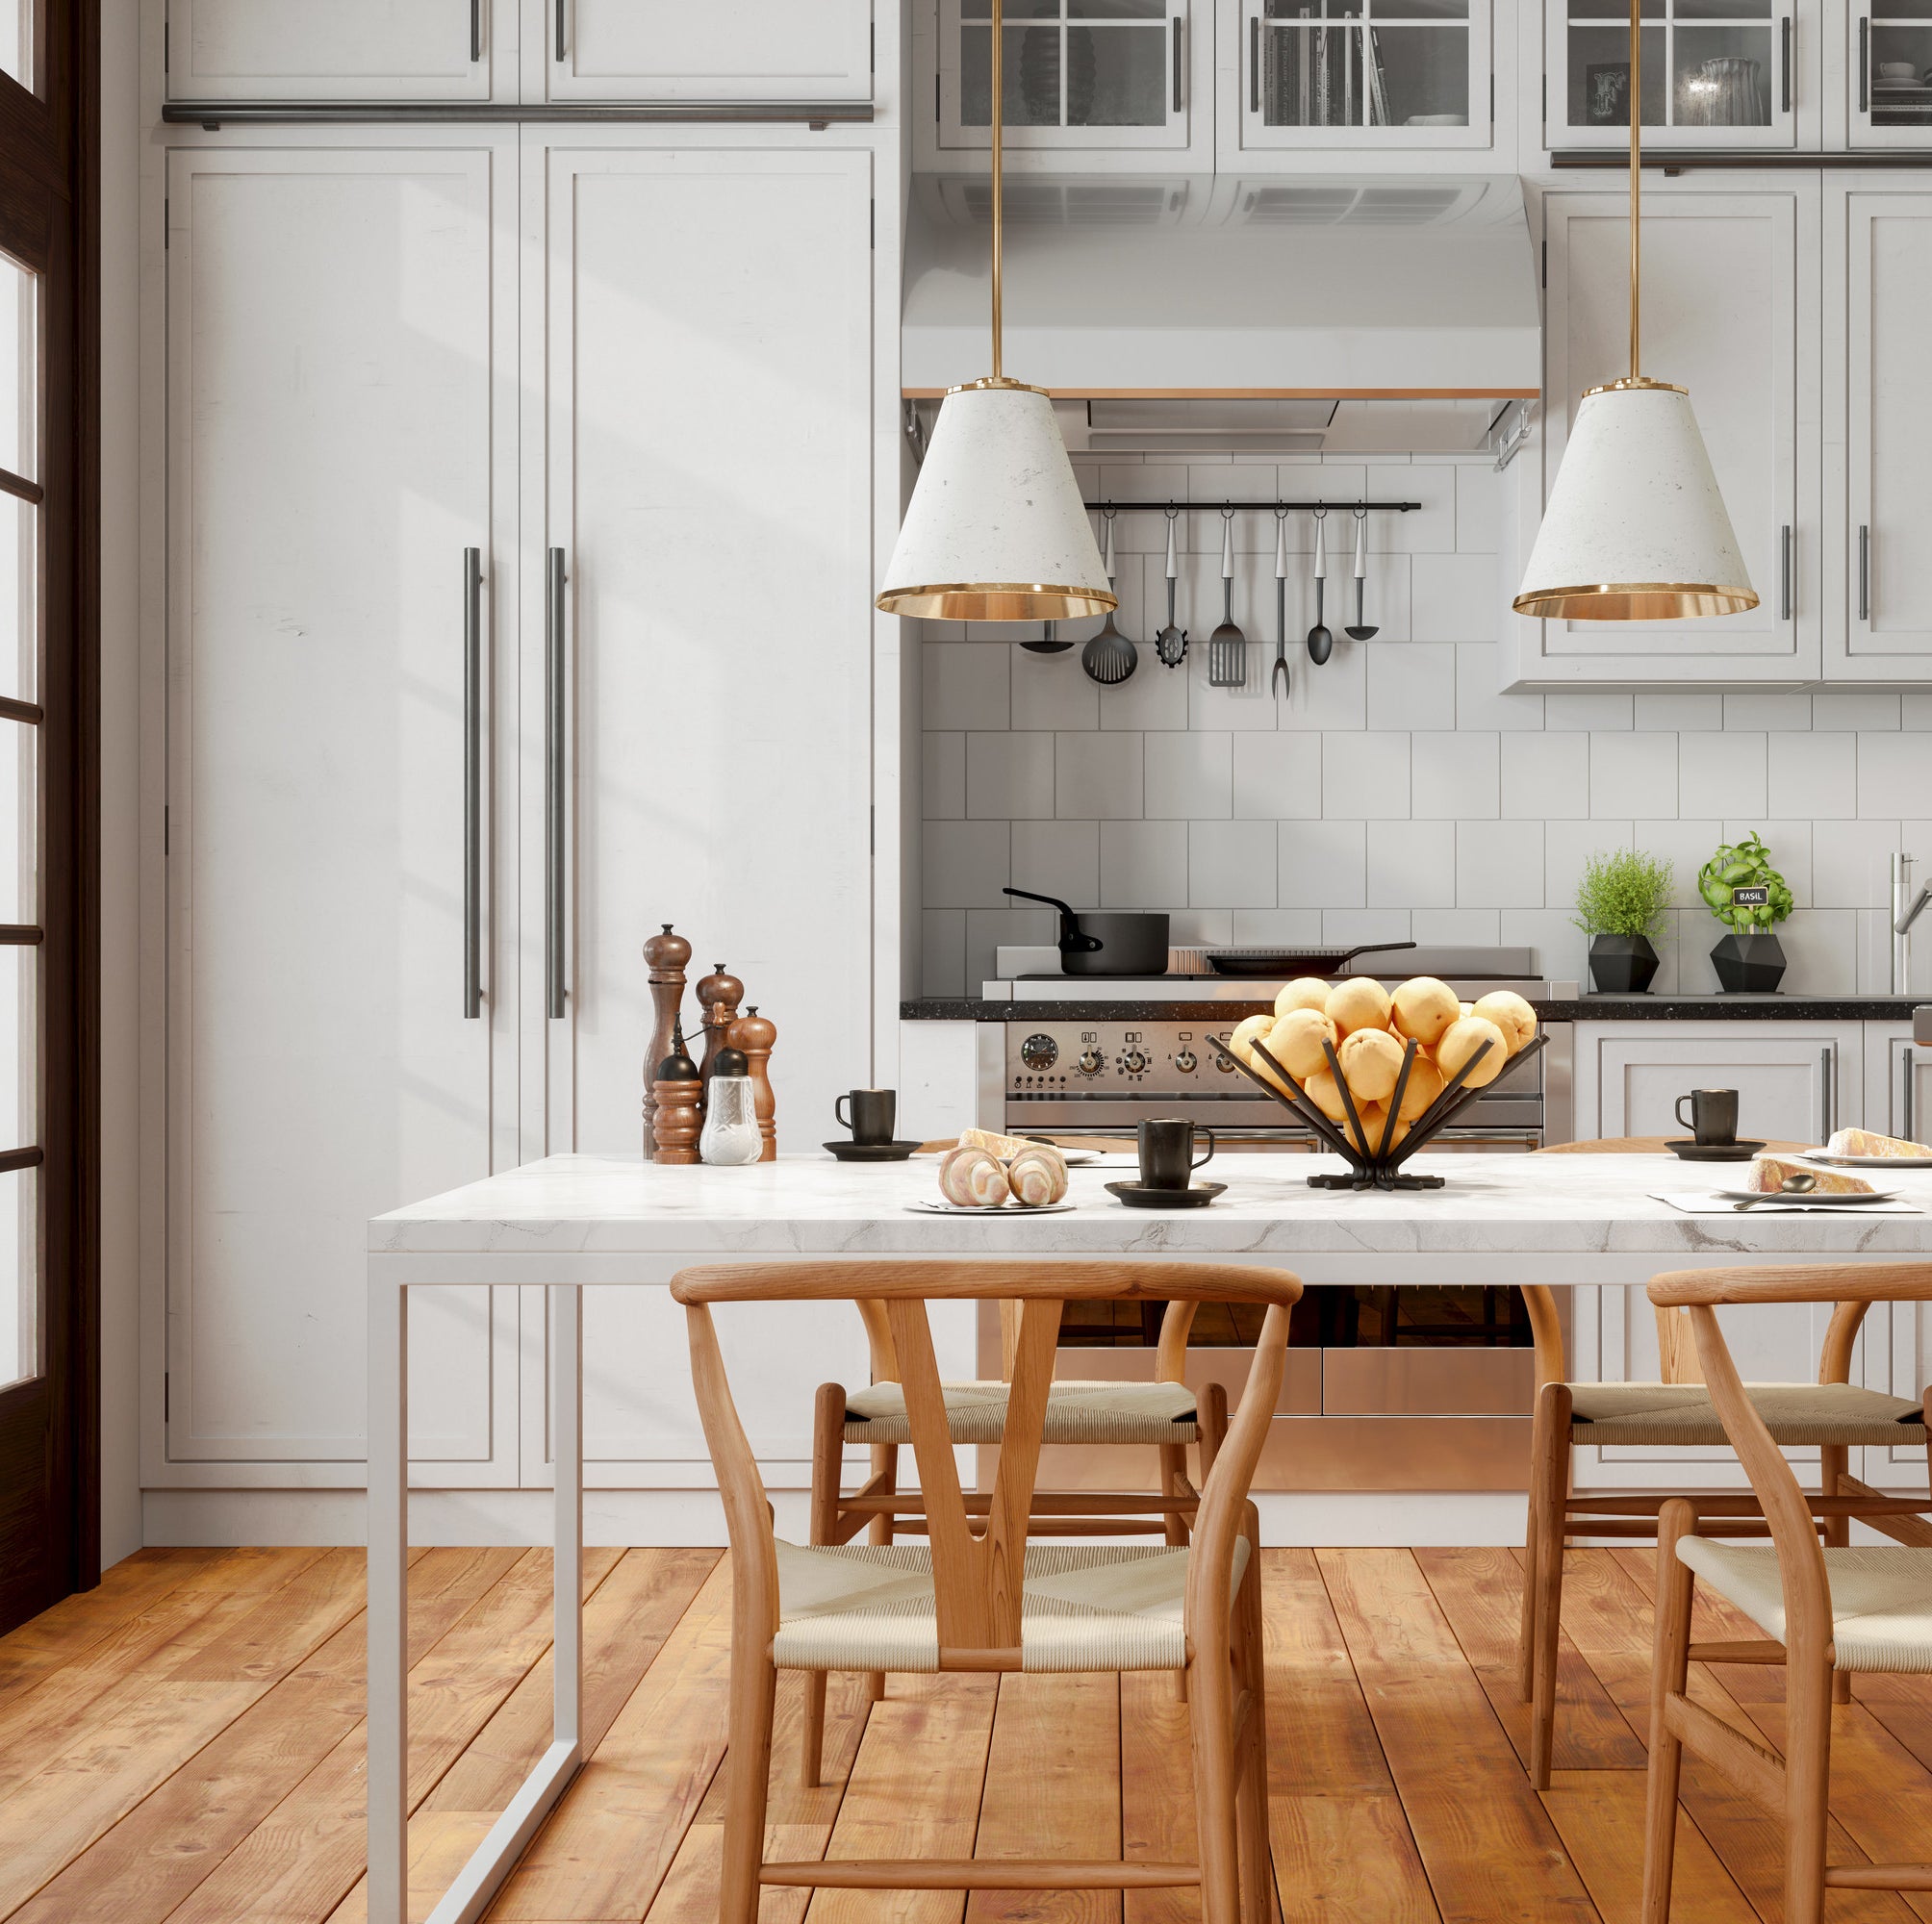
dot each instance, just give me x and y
(1209, 313)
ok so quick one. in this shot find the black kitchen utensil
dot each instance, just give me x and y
(1321, 643)
(1106, 942)
(1171, 643)
(1292, 962)
(1278, 675)
(1357, 632)
(1049, 642)
(1110, 657)
(1226, 645)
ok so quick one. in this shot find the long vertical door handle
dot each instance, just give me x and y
(553, 792)
(1254, 62)
(1864, 572)
(1785, 573)
(1906, 1118)
(1177, 61)
(1785, 64)
(1864, 63)
(561, 5)
(475, 30)
(472, 783)
(1827, 1092)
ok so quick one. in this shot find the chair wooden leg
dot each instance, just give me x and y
(1173, 1475)
(1808, 1695)
(827, 1462)
(749, 1763)
(1834, 1458)
(1532, 1523)
(1212, 1703)
(1669, 1670)
(1549, 1477)
(884, 1463)
(1258, 1881)
(1211, 1413)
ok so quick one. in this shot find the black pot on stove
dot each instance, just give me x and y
(1106, 942)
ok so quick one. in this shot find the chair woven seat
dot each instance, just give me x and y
(1795, 1415)
(1077, 1412)
(866, 1607)
(1881, 1597)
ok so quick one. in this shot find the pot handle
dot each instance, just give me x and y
(1074, 939)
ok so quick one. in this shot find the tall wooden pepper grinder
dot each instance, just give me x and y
(755, 1034)
(719, 995)
(665, 956)
(676, 1089)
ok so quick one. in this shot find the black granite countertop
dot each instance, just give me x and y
(1584, 1008)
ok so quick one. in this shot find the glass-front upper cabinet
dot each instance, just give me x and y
(1080, 75)
(1364, 74)
(1891, 74)
(1716, 73)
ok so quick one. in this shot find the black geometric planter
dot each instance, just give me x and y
(1621, 965)
(1749, 965)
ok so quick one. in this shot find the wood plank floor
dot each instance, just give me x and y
(185, 1743)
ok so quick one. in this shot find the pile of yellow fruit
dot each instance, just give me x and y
(1369, 1027)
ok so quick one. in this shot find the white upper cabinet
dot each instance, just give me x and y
(1372, 78)
(698, 49)
(337, 50)
(1880, 628)
(1889, 65)
(1716, 73)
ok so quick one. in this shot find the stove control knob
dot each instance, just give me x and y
(1133, 1063)
(1040, 1052)
(1090, 1063)
(1186, 1062)
(1222, 1063)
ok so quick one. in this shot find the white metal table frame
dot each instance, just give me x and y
(389, 1803)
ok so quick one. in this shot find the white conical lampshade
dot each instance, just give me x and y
(995, 530)
(1635, 529)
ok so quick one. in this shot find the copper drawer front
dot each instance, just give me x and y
(1428, 1382)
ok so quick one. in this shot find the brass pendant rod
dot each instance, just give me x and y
(1636, 172)
(999, 183)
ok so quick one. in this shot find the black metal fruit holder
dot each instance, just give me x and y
(1383, 1170)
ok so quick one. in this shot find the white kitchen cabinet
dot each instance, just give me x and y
(340, 49)
(1897, 1081)
(1888, 72)
(1880, 625)
(1730, 297)
(342, 411)
(710, 50)
(1796, 1082)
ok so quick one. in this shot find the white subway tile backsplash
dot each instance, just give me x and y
(1546, 778)
(1253, 927)
(1454, 775)
(1566, 846)
(1431, 529)
(1594, 711)
(1231, 864)
(1784, 713)
(1189, 775)
(1479, 516)
(1052, 692)
(1860, 708)
(965, 685)
(1412, 685)
(1331, 698)
(942, 774)
(1820, 952)
(1671, 709)
(1278, 776)
(1850, 863)
(942, 951)
(1010, 776)
(1632, 775)
(1097, 775)
(1411, 863)
(1454, 598)
(1813, 776)
(1367, 775)
(966, 863)
(1719, 773)
(1478, 702)
(1473, 925)
(1322, 865)
(1915, 709)
(1499, 864)
(1687, 845)
(1561, 948)
(1143, 864)
(1341, 925)
(1055, 858)
(1894, 775)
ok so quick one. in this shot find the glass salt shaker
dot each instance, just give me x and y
(731, 1134)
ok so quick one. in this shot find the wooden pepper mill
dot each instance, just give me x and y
(755, 1034)
(665, 955)
(676, 1089)
(719, 995)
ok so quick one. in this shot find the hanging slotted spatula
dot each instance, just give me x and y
(1110, 657)
(1226, 645)
(1321, 643)
(1171, 643)
(1278, 675)
(1358, 633)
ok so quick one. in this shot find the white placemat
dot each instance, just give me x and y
(1709, 1204)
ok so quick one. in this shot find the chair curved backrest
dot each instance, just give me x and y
(977, 1575)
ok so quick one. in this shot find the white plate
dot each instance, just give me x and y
(1005, 1209)
(1809, 1197)
(1865, 1161)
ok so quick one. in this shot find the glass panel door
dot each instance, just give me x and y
(1891, 73)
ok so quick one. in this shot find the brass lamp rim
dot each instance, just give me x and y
(995, 601)
(1632, 383)
(1000, 383)
(1633, 601)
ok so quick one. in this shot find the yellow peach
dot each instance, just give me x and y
(1424, 1085)
(1463, 1040)
(1304, 992)
(1295, 1042)
(1510, 1014)
(1423, 1007)
(1359, 1003)
(1371, 1059)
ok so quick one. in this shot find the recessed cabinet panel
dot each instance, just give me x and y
(329, 49)
(335, 446)
(675, 50)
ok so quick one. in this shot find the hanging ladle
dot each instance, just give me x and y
(1279, 673)
(1110, 657)
(1321, 643)
(1358, 633)
(1171, 643)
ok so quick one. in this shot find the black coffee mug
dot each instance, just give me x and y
(1167, 1155)
(1714, 1115)
(875, 1113)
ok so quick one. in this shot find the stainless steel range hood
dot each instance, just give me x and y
(1199, 313)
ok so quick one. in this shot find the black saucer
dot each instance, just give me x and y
(1138, 1196)
(854, 1151)
(1690, 1151)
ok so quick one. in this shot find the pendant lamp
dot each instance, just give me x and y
(996, 530)
(1634, 529)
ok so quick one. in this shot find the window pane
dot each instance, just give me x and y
(17, 39)
(20, 828)
(19, 1046)
(20, 603)
(19, 1276)
(18, 381)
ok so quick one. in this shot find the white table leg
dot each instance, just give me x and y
(388, 1603)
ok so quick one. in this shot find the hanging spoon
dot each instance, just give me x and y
(1171, 643)
(1321, 643)
(1358, 633)
(1110, 657)
(1279, 673)
(1049, 642)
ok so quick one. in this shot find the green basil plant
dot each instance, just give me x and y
(1747, 866)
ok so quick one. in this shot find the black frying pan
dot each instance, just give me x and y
(1293, 961)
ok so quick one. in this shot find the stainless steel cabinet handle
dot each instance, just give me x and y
(1864, 572)
(1785, 573)
(1906, 1119)
(553, 792)
(1177, 61)
(1785, 64)
(475, 30)
(561, 4)
(1864, 63)
(472, 783)
(1827, 1092)
(1254, 63)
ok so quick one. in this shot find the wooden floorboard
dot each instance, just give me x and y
(185, 1746)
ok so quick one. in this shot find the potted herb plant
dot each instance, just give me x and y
(1742, 889)
(1621, 897)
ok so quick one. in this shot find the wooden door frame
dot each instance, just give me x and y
(50, 219)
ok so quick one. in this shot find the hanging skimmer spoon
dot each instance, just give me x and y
(1110, 657)
(1358, 633)
(1321, 643)
(1278, 675)
(1171, 643)
(1226, 645)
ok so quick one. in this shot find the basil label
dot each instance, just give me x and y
(1752, 897)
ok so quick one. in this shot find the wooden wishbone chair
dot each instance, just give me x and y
(1833, 1416)
(1826, 1610)
(977, 1596)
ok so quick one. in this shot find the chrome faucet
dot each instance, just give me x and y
(1906, 909)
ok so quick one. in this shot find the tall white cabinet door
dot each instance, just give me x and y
(1897, 1083)
(678, 50)
(342, 411)
(1724, 315)
(708, 322)
(340, 49)
(1883, 626)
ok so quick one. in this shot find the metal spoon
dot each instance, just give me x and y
(1280, 671)
(1321, 643)
(1226, 645)
(1049, 642)
(1358, 633)
(1110, 657)
(1798, 1183)
(1171, 643)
